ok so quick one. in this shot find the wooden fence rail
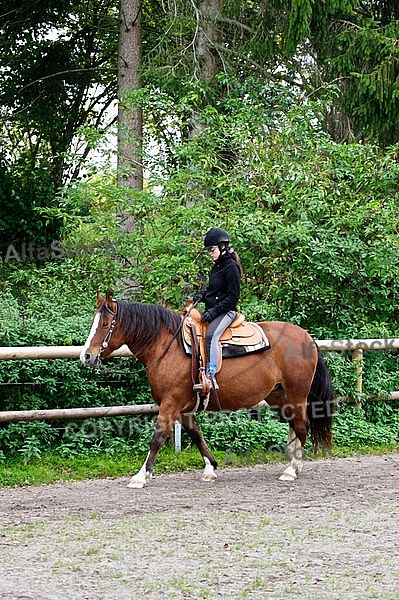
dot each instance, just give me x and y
(77, 413)
(48, 352)
(52, 352)
(356, 346)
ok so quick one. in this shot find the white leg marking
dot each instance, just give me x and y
(141, 478)
(209, 473)
(91, 336)
(288, 475)
(261, 404)
(295, 454)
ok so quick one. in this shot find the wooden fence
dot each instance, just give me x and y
(356, 347)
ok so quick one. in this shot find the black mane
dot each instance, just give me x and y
(143, 322)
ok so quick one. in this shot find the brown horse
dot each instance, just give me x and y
(290, 376)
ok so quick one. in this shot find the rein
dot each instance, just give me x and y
(108, 335)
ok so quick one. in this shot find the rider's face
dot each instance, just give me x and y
(214, 252)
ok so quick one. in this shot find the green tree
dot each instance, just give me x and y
(57, 83)
(58, 79)
(361, 57)
(58, 75)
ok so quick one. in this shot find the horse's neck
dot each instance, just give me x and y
(149, 353)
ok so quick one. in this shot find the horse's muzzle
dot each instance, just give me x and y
(90, 360)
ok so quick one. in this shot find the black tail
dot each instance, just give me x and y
(320, 406)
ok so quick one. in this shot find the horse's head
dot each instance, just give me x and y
(102, 339)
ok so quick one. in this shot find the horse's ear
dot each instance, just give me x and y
(110, 302)
(100, 299)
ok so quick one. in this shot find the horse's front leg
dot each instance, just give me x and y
(295, 454)
(165, 421)
(191, 426)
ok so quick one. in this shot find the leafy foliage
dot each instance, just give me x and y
(362, 54)
(314, 222)
(309, 217)
(57, 82)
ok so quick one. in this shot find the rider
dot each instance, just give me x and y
(221, 296)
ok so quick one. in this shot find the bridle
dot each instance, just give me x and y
(105, 342)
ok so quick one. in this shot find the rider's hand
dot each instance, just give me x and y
(208, 315)
(198, 297)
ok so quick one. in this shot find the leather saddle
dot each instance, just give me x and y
(240, 337)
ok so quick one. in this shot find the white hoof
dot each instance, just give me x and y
(209, 477)
(139, 480)
(209, 472)
(288, 475)
(135, 483)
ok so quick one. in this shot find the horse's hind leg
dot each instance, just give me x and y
(294, 453)
(294, 449)
(191, 426)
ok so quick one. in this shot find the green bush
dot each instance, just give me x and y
(240, 431)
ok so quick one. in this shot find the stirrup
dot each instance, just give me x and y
(198, 387)
(213, 384)
(204, 385)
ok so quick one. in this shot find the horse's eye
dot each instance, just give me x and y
(105, 324)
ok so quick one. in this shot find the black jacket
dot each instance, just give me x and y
(223, 291)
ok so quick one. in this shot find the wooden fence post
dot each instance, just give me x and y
(357, 357)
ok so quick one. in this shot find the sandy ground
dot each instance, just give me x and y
(333, 534)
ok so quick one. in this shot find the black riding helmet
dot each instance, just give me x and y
(215, 236)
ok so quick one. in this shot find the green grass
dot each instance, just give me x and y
(361, 450)
(51, 468)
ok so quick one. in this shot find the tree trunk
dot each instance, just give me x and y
(130, 122)
(209, 36)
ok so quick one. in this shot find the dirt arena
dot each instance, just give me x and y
(333, 534)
